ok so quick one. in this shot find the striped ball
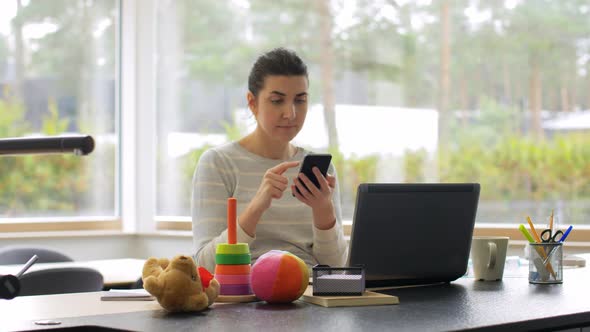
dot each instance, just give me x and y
(279, 277)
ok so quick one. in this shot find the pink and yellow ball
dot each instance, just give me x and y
(279, 277)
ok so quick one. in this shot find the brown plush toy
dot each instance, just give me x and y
(178, 285)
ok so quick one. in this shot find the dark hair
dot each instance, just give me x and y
(280, 62)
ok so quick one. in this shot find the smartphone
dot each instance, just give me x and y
(321, 161)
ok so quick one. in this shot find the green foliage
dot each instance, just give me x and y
(490, 150)
(414, 162)
(12, 122)
(361, 169)
(487, 127)
(38, 184)
(353, 171)
(52, 125)
(520, 168)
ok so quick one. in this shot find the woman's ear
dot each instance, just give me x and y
(252, 103)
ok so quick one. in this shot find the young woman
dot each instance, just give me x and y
(261, 172)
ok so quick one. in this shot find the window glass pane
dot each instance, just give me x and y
(57, 76)
(400, 91)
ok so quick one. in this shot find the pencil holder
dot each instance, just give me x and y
(546, 263)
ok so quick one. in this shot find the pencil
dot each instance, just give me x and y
(537, 238)
(541, 250)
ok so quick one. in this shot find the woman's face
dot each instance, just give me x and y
(281, 106)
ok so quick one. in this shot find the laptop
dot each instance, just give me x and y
(412, 234)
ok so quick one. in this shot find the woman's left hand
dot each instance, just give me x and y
(319, 199)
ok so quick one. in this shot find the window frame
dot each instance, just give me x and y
(60, 224)
(138, 116)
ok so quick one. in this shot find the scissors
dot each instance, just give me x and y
(548, 236)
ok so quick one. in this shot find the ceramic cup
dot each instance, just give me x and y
(488, 255)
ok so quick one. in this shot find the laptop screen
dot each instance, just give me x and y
(405, 234)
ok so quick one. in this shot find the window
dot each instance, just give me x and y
(57, 76)
(401, 91)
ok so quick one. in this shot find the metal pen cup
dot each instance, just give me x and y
(546, 263)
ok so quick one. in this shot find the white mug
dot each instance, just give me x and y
(488, 255)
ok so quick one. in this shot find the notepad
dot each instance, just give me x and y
(368, 298)
(126, 295)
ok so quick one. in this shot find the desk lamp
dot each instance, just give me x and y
(78, 145)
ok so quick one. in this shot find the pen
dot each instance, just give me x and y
(567, 232)
(563, 237)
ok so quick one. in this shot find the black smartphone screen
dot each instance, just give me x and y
(321, 161)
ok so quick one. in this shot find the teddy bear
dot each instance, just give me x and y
(179, 285)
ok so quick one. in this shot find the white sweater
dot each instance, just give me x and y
(232, 171)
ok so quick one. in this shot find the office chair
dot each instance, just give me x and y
(61, 280)
(20, 255)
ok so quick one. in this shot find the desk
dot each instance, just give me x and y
(464, 304)
(115, 272)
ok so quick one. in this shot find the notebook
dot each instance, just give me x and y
(412, 234)
(368, 298)
(126, 295)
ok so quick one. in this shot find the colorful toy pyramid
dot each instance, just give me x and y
(233, 259)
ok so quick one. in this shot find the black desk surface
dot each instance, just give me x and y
(464, 304)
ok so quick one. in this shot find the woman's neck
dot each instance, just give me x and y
(267, 148)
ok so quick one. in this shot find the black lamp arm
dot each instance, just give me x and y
(79, 145)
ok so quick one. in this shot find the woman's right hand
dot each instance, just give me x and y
(273, 185)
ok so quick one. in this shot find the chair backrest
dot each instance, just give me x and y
(20, 255)
(61, 280)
